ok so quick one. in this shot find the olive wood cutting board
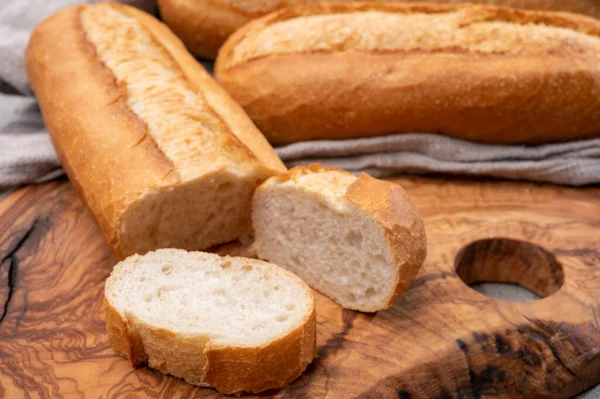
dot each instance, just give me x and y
(441, 339)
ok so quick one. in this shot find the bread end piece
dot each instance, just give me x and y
(349, 220)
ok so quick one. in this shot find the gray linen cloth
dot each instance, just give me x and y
(26, 154)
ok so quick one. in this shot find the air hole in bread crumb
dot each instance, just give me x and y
(369, 292)
(166, 270)
(379, 259)
(276, 288)
(148, 298)
(223, 187)
(290, 306)
(354, 238)
(226, 264)
(143, 278)
(350, 297)
(247, 268)
(219, 291)
(281, 318)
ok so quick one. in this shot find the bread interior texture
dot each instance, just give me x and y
(196, 214)
(474, 30)
(215, 173)
(332, 244)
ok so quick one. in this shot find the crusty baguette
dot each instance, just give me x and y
(204, 25)
(359, 241)
(235, 324)
(481, 73)
(160, 153)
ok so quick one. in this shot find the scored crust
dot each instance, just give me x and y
(391, 208)
(204, 25)
(309, 38)
(229, 369)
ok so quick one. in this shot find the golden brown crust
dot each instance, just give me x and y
(271, 367)
(495, 98)
(106, 148)
(238, 125)
(124, 339)
(204, 25)
(390, 205)
(77, 119)
(297, 171)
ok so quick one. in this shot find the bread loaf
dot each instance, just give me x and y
(482, 73)
(235, 324)
(204, 25)
(160, 153)
(360, 241)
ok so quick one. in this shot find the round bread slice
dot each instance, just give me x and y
(235, 324)
(360, 241)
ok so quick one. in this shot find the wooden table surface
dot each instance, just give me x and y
(441, 339)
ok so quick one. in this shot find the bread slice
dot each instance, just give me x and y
(359, 241)
(235, 324)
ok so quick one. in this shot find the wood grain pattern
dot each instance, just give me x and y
(440, 340)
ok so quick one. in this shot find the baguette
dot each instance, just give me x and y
(481, 73)
(204, 25)
(234, 324)
(360, 241)
(162, 156)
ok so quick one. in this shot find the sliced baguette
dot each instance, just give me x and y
(235, 324)
(161, 155)
(359, 241)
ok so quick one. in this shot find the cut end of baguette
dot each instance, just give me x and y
(357, 240)
(235, 324)
(192, 215)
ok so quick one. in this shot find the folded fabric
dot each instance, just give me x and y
(573, 163)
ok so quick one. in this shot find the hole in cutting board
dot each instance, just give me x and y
(506, 292)
(513, 262)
